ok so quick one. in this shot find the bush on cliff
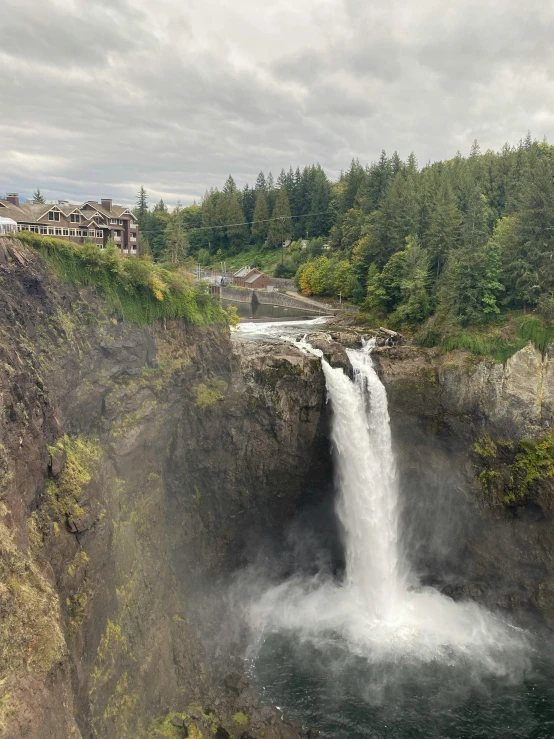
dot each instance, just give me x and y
(137, 290)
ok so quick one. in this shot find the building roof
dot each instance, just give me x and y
(116, 212)
(30, 212)
(7, 221)
(243, 272)
(254, 277)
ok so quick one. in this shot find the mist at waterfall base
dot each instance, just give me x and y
(374, 654)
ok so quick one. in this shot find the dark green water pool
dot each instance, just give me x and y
(347, 696)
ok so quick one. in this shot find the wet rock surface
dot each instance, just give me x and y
(135, 463)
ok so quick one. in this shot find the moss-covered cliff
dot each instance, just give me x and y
(133, 462)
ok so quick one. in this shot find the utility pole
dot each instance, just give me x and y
(282, 239)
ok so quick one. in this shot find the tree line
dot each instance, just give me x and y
(464, 238)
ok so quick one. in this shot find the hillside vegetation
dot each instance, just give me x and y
(452, 250)
(135, 289)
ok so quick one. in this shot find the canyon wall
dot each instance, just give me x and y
(135, 463)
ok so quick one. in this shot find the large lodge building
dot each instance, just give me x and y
(97, 222)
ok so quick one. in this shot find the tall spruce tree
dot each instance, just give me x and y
(260, 226)
(141, 208)
(280, 227)
(444, 227)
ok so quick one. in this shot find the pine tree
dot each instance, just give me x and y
(230, 187)
(260, 226)
(476, 216)
(444, 227)
(38, 197)
(141, 208)
(415, 302)
(532, 274)
(471, 284)
(397, 218)
(260, 183)
(281, 227)
(236, 230)
(320, 219)
(175, 237)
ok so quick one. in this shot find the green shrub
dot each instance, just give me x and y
(210, 392)
(135, 289)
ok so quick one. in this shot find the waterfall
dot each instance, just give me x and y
(367, 482)
(379, 610)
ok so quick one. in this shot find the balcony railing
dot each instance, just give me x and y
(117, 238)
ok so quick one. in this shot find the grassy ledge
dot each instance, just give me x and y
(497, 341)
(135, 289)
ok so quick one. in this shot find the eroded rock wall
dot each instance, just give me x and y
(133, 462)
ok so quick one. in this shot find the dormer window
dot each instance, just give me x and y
(54, 215)
(75, 218)
(113, 220)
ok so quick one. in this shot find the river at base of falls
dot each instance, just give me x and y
(376, 654)
(348, 696)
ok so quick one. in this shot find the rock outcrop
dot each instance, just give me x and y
(134, 464)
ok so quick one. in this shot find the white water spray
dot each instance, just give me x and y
(367, 481)
(377, 610)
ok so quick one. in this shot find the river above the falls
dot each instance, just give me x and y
(374, 653)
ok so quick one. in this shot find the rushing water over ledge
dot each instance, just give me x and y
(377, 640)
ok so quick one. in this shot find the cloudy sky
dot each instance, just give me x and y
(100, 96)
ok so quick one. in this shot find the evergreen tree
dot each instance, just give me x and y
(415, 301)
(281, 227)
(141, 208)
(475, 216)
(471, 284)
(397, 218)
(260, 183)
(248, 205)
(260, 226)
(175, 237)
(444, 227)
(532, 273)
(38, 197)
(236, 230)
(320, 219)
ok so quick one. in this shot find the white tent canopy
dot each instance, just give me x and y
(7, 225)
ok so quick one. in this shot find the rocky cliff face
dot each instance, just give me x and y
(134, 463)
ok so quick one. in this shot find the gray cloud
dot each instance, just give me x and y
(101, 96)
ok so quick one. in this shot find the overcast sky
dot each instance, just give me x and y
(100, 96)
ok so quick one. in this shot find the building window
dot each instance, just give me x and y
(113, 220)
(51, 231)
(75, 218)
(58, 231)
(53, 215)
(99, 234)
(34, 229)
(43, 230)
(66, 232)
(72, 232)
(120, 222)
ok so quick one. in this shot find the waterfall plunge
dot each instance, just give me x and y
(367, 482)
(377, 610)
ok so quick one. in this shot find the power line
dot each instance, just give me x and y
(249, 223)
